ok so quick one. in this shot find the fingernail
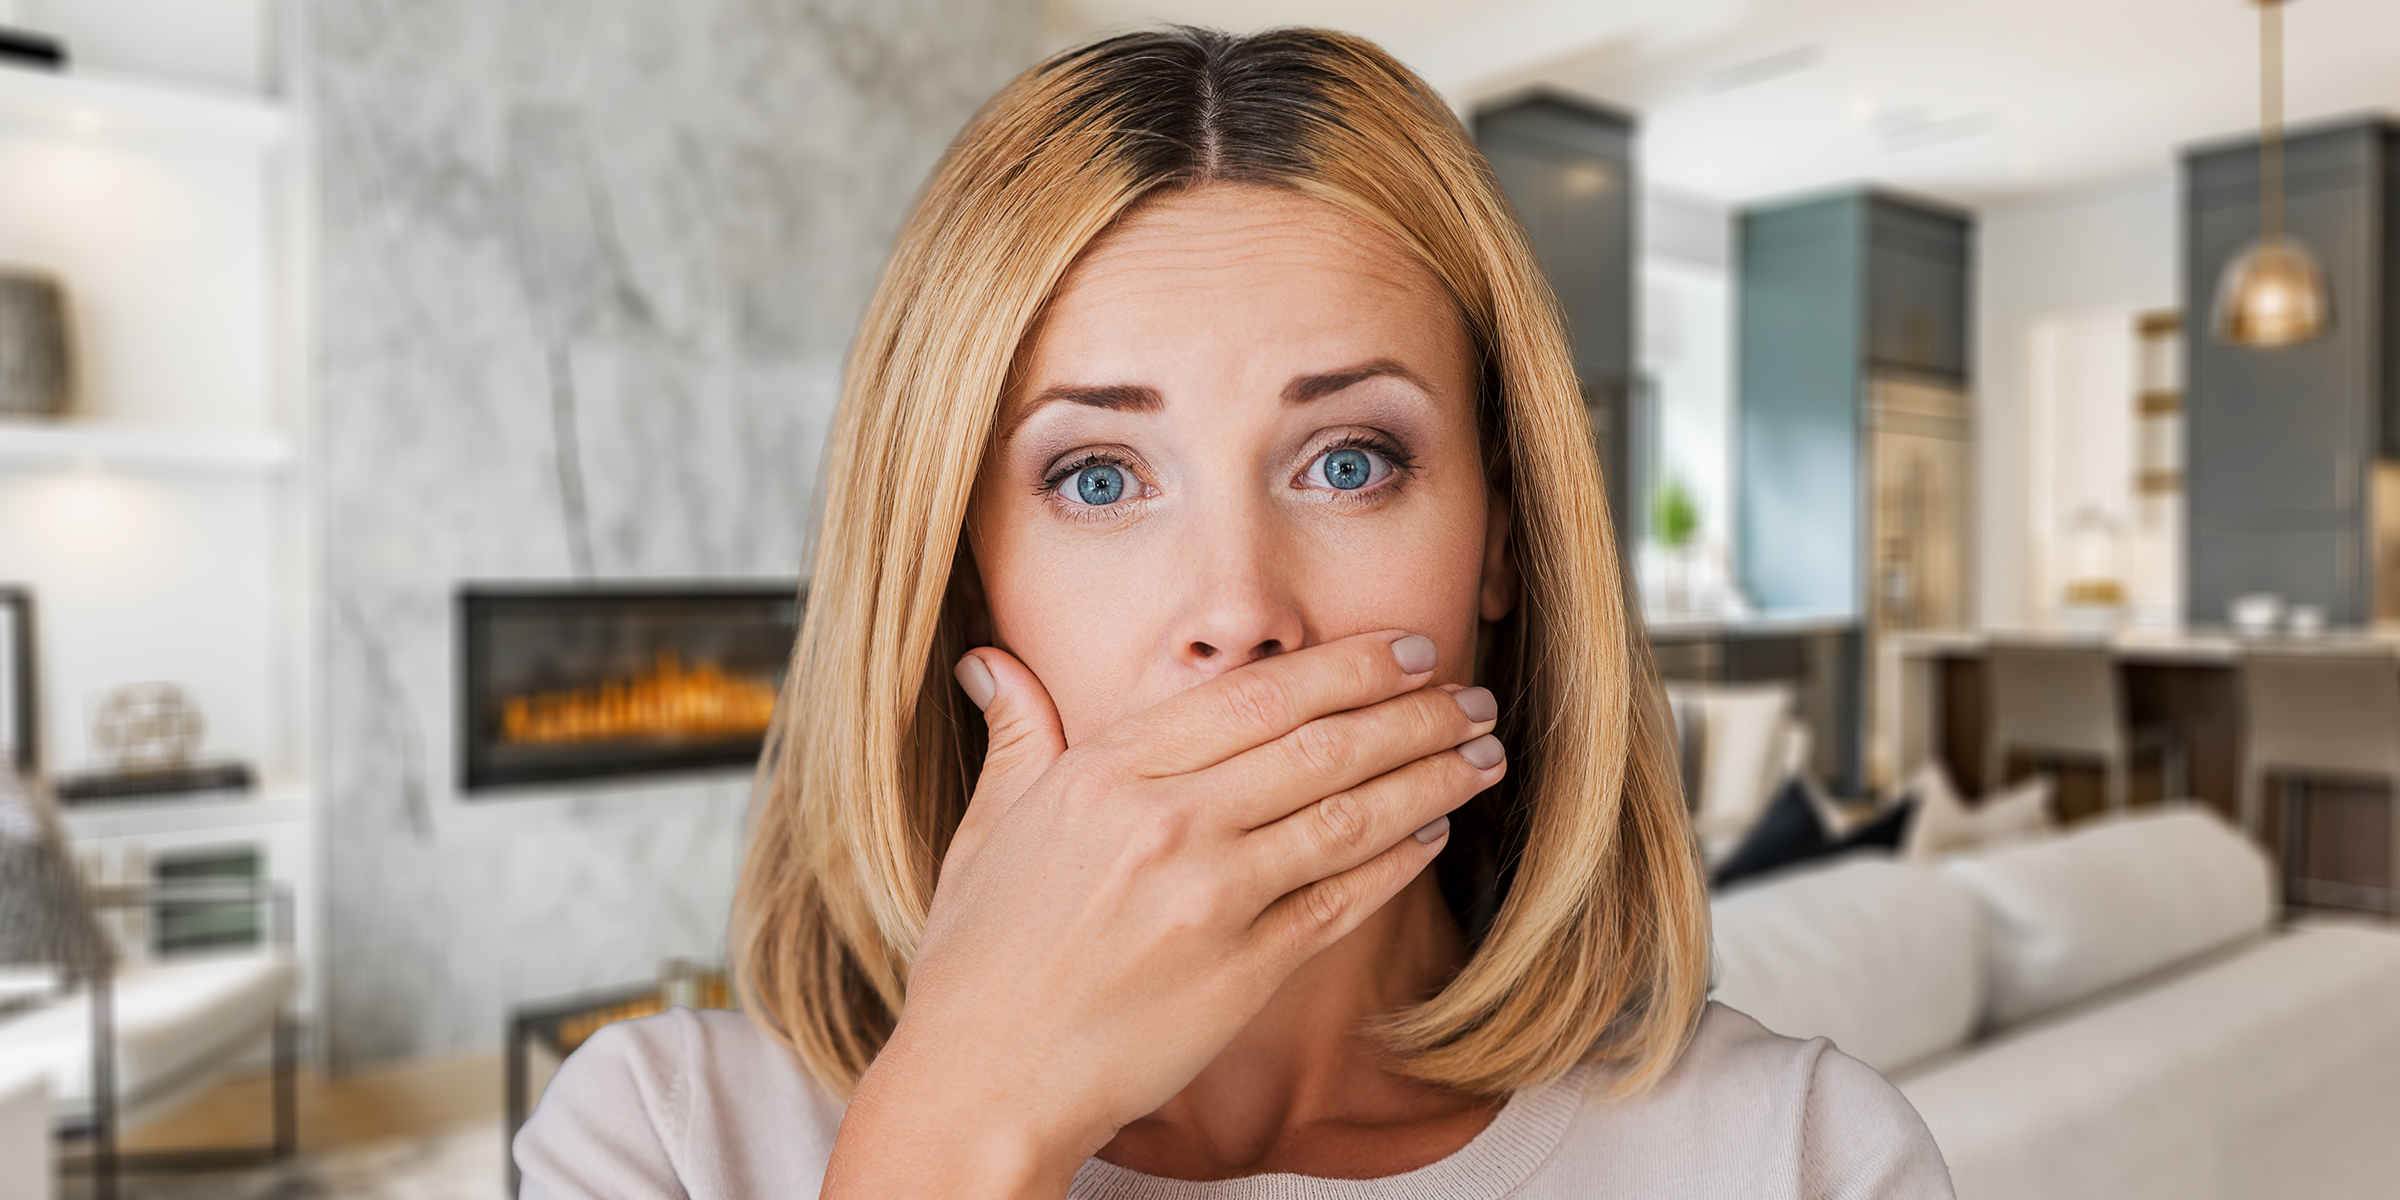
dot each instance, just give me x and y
(976, 680)
(1414, 653)
(1478, 703)
(1434, 831)
(1483, 753)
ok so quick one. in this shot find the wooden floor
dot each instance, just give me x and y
(417, 1097)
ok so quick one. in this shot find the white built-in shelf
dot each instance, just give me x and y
(278, 802)
(51, 445)
(98, 105)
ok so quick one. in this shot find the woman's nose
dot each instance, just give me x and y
(1240, 608)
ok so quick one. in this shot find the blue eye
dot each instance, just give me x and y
(1099, 485)
(1348, 468)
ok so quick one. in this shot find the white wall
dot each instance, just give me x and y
(2110, 246)
(1685, 318)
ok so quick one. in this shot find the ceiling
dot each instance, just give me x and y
(1977, 101)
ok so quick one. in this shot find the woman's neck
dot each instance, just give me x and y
(1304, 1088)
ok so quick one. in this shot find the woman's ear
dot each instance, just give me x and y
(1498, 595)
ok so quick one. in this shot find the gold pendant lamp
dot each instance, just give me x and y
(2273, 292)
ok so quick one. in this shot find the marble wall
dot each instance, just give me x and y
(586, 270)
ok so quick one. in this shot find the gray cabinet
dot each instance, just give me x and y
(2282, 444)
(1836, 292)
(1917, 296)
(1568, 167)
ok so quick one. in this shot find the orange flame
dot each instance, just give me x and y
(668, 702)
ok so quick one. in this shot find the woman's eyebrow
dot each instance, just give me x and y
(1115, 397)
(1304, 388)
(1134, 397)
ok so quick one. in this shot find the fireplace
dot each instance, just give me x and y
(568, 683)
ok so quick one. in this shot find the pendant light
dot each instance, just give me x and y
(2273, 292)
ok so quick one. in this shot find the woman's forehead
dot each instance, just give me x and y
(1229, 235)
(1193, 281)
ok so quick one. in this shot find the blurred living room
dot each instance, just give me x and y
(412, 415)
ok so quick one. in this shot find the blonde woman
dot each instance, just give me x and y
(1219, 761)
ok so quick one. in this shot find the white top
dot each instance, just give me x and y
(707, 1105)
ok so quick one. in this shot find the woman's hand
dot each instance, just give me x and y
(1109, 916)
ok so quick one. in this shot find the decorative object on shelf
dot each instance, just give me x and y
(2273, 293)
(149, 732)
(20, 701)
(2095, 593)
(148, 727)
(36, 367)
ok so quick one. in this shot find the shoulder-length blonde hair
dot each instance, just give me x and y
(1576, 879)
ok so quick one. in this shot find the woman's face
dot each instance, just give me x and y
(1245, 424)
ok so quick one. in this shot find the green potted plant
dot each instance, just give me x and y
(1675, 526)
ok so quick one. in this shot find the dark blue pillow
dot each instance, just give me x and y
(1789, 833)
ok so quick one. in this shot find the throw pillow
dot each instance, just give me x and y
(1738, 743)
(1787, 833)
(1887, 828)
(1793, 831)
(1945, 826)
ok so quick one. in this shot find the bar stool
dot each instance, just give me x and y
(2062, 701)
(2330, 712)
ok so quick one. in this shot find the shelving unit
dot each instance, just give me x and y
(163, 525)
(2158, 407)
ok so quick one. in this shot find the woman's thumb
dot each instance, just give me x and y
(1023, 723)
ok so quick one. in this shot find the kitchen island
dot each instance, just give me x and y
(1932, 686)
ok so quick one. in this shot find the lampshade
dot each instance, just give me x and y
(43, 918)
(2272, 294)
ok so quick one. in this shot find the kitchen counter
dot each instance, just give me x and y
(1930, 689)
(2198, 645)
(1697, 625)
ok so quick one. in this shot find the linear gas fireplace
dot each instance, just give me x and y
(565, 683)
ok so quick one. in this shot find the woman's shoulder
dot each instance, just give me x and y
(1749, 1112)
(694, 1103)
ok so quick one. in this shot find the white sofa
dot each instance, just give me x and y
(2114, 1012)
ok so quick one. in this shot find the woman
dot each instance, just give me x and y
(1213, 431)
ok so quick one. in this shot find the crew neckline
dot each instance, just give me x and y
(1498, 1160)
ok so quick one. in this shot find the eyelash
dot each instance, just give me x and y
(1402, 463)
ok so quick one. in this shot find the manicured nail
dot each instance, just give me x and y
(976, 680)
(1434, 831)
(1414, 653)
(1478, 703)
(1483, 753)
